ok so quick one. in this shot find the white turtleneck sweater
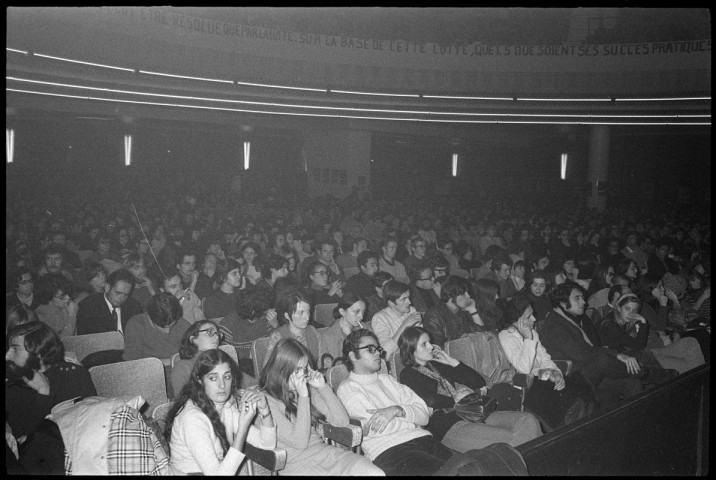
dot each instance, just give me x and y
(362, 392)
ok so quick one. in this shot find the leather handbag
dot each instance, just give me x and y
(475, 407)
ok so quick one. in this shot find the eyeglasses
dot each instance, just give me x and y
(372, 349)
(62, 296)
(210, 332)
(424, 279)
(25, 282)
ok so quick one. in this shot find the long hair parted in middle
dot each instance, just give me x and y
(194, 391)
(486, 304)
(408, 342)
(275, 375)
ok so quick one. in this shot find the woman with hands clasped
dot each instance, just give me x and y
(441, 381)
(211, 418)
(300, 400)
(555, 400)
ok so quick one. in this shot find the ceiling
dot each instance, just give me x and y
(489, 25)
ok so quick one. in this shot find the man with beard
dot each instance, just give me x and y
(37, 377)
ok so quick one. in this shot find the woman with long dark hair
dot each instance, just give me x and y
(441, 381)
(489, 314)
(211, 419)
(300, 400)
(538, 285)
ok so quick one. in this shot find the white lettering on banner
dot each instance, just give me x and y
(160, 16)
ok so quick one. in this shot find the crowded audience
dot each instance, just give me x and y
(624, 295)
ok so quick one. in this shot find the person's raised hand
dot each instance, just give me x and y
(272, 317)
(316, 378)
(300, 383)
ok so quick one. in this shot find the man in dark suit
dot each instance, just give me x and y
(111, 310)
(568, 334)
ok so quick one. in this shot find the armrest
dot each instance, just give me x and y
(350, 436)
(271, 460)
(564, 365)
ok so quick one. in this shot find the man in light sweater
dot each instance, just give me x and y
(392, 414)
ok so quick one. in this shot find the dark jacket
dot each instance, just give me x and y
(564, 341)
(94, 316)
(443, 325)
(427, 388)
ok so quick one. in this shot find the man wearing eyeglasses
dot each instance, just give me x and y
(23, 286)
(391, 413)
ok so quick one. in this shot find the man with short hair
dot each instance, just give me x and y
(568, 334)
(389, 323)
(390, 412)
(72, 259)
(37, 377)
(325, 250)
(613, 255)
(419, 249)
(110, 310)
(186, 266)
(156, 333)
(488, 256)
(500, 269)
(54, 262)
(350, 259)
(375, 302)
(633, 251)
(451, 319)
(491, 238)
(362, 283)
(190, 303)
(222, 301)
(388, 263)
(22, 286)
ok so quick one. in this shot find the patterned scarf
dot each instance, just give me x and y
(444, 386)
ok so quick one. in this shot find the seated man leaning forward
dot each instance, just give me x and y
(392, 414)
(156, 333)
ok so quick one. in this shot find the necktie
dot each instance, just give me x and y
(114, 318)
